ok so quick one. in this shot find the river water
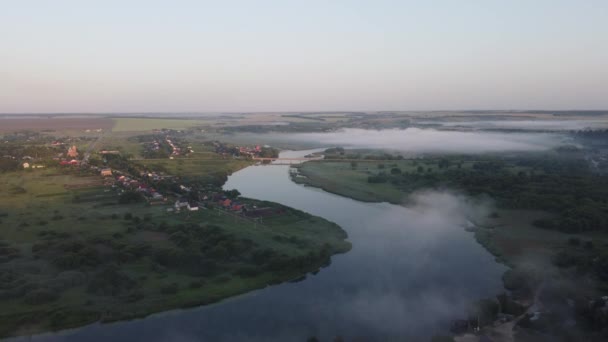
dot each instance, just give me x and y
(410, 271)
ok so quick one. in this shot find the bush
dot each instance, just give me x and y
(130, 197)
(196, 284)
(110, 281)
(135, 296)
(40, 296)
(247, 271)
(169, 289)
(484, 311)
(380, 178)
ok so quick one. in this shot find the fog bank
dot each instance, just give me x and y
(548, 125)
(431, 140)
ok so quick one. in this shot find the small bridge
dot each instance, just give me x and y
(286, 159)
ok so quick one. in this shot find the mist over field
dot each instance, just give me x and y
(431, 140)
(550, 125)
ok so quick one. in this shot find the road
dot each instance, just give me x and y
(90, 149)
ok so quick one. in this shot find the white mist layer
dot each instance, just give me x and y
(430, 140)
(550, 125)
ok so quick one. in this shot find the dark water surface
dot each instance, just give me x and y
(411, 271)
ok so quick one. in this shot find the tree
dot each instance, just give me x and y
(232, 194)
(169, 289)
(130, 197)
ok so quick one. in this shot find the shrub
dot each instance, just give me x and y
(169, 289)
(130, 197)
(247, 271)
(40, 296)
(196, 284)
(110, 281)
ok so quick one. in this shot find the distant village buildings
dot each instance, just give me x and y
(109, 152)
(69, 162)
(73, 152)
(27, 165)
(106, 172)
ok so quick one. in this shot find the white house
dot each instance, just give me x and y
(181, 203)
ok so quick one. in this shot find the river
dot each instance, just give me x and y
(410, 271)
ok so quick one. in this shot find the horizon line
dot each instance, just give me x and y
(299, 111)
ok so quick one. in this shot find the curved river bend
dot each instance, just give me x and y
(411, 271)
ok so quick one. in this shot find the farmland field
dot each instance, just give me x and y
(148, 124)
(61, 124)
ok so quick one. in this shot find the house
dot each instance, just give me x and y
(71, 162)
(226, 203)
(237, 207)
(181, 203)
(26, 165)
(192, 206)
(107, 172)
(73, 152)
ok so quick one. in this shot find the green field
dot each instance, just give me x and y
(342, 178)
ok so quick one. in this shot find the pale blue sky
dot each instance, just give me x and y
(126, 56)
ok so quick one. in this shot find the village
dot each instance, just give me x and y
(158, 188)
